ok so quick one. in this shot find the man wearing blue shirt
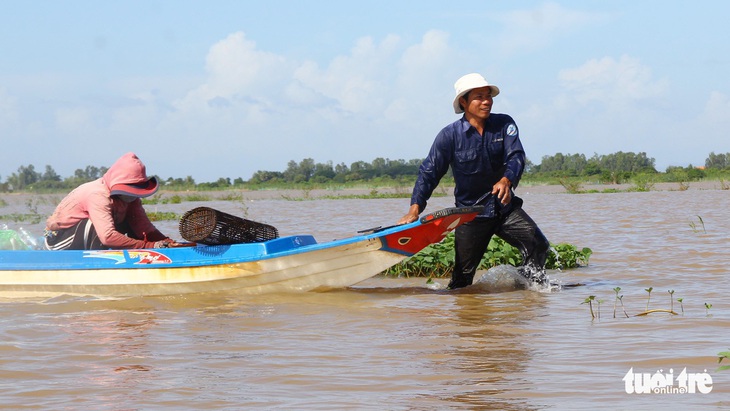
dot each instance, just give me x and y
(487, 161)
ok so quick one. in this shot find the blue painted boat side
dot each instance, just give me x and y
(197, 256)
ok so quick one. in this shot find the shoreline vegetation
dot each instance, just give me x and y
(575, 173)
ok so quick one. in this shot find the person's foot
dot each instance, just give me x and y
(534, 275)
(459, 282)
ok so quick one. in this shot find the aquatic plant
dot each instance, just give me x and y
(694, 226)
(641, 184)
(657, 310)
(589, 301)
(437, 260)
(566, 255)
(19, 218)
(707, 308)
(721, 356)
(152, 200)
(619, 298)
(648, 290)
(162, 216)
(571, 186)
(599, 302)
(198, 197)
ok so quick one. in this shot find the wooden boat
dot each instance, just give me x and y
(291, 263)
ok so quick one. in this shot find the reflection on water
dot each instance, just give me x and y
(400, 344)
(490, 371)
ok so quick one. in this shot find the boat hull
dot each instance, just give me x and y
(287, 264)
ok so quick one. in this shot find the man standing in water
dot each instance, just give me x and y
(487, 161)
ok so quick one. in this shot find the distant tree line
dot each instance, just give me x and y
(609, 168)
(309, 171)
(612, 168)
(619, 167)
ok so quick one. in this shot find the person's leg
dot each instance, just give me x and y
(81, 236)
(520, 231)
(470, 242)
(91, 239)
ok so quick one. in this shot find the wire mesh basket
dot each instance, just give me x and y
(208, 226)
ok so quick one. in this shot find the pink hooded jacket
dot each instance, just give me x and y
(93, 200)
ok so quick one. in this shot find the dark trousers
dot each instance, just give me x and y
(81, 236)
(517, 229)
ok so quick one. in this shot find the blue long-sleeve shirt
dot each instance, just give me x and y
(477, 163)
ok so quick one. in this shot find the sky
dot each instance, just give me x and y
(222, 89)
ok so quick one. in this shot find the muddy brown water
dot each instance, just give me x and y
(394, 343)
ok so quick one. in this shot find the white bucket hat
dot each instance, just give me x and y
(468, 83)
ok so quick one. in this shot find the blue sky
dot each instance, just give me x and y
(225, 88)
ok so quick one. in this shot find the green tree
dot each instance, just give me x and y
(50, 175)
(24, 178)
(718, 161)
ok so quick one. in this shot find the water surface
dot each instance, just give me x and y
(394, 343)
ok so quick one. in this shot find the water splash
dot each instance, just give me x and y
(504, 278)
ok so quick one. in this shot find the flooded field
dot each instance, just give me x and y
(396, 344)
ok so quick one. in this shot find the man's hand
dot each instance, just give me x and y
(501, 189)
(411, 216)
(166, 243)
(170, 243)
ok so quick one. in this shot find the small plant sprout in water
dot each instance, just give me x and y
(707, 308)
(589, 301)
(658, 310)
(619, 298)
(648, 290)
(681, 306)
(721, 356)
(599, 307)
(671, 299)
(694, 226)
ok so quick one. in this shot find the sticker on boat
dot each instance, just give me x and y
(142, 256)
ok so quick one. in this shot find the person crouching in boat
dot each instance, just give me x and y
(107, 212)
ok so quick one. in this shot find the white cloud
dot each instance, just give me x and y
(424, 75)
(603, 106)
(422, 62)
(613, 82)
(717, 111)
(74, 120)
(360, 81)
(526, 30)
(366, 103)
(8, 109)
(237, 70)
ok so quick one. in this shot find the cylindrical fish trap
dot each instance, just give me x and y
(208, 226)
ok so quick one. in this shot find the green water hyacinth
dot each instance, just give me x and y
(437, 260)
